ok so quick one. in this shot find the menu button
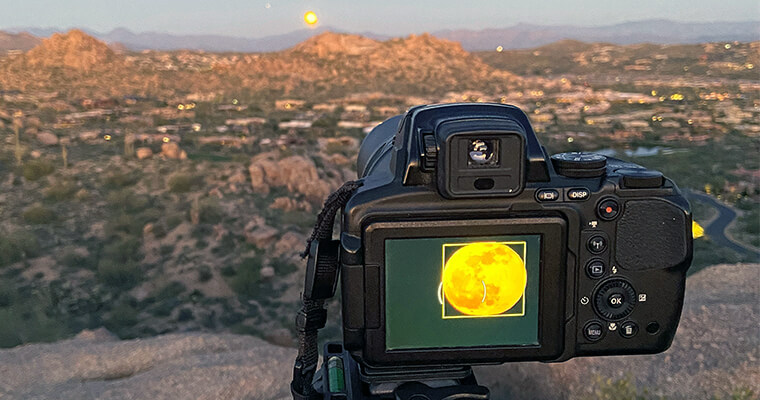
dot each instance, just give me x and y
(593, 331)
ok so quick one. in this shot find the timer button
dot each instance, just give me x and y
(608, 209)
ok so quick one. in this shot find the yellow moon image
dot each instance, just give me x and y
(484, 279)
(310, 18)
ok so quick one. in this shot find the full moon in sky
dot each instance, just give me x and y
(310, 18)
(484, 279)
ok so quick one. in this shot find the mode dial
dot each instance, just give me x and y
(578, 164)
(614, 299)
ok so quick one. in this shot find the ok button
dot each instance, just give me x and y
(615, 300)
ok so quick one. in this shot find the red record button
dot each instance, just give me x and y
(608, 209)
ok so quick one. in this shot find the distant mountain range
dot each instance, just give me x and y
(649, 31)
(17, 41)
(516, 37)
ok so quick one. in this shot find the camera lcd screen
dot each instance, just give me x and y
(462, 292)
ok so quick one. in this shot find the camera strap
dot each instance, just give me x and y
(313, 315)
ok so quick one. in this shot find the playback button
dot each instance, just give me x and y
(595, 269)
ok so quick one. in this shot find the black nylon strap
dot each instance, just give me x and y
(312, 315)
(308, 351)
(326, 218)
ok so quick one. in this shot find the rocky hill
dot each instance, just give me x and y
(75, 50)
(714, 355)
(334, 44)
(416, 64)
(329, 63)
(73, 63)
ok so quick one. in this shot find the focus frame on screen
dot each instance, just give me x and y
(551, 291)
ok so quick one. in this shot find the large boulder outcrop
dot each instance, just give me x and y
(259, 234)
(47, 138)
(289, 244)
(297, 173)
(173, 151)
(143, 153)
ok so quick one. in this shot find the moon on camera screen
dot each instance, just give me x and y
(451, 292)
(482, 279)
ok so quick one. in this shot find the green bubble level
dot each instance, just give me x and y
(336, 381)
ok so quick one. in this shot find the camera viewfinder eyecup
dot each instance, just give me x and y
(480, 157)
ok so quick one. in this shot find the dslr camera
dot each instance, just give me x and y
(464, 243)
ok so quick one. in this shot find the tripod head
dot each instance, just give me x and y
(342, 378)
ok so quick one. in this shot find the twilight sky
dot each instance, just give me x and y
(256, 18)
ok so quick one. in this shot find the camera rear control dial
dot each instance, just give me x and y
(614, 299)
(578, 164)
(640, 178)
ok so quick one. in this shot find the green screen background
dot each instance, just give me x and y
(413, 312)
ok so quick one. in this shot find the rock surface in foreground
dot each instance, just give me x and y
(715, 352)
(177, 366)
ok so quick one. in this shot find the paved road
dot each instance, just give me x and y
(717, 228)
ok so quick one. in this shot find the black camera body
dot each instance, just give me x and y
(467, 244)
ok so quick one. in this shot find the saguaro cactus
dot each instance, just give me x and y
(129, 145)
(64, 153)
(18, 151)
